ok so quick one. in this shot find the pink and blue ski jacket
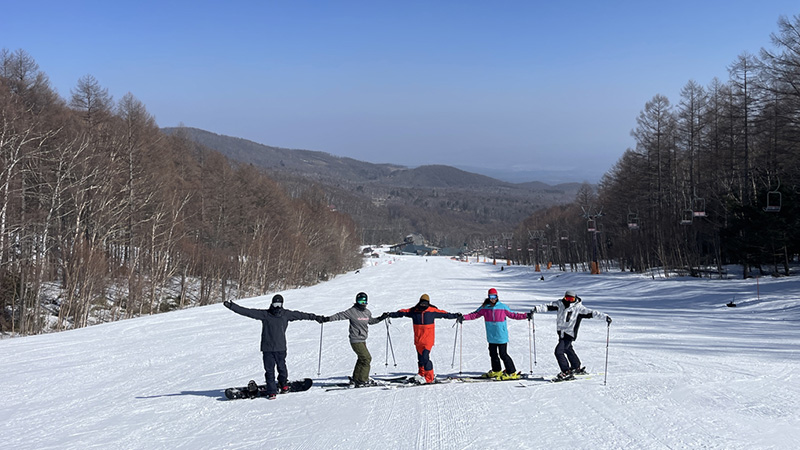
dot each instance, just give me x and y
(495, 320)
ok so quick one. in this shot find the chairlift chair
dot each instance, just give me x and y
(773, 201)
(591, 226)
(686, 218)
(633, 221)
(699, 209)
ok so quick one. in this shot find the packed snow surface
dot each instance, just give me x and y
(684, 370)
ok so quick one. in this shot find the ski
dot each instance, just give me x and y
(373, 382)
(253, 390)
(481, 378)
(585, 376)
(389, 383)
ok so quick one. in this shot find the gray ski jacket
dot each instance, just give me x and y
(569, 316)
(360, 319)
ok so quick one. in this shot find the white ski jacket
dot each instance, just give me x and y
(569, 316)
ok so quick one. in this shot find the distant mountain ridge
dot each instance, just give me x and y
(434, 200)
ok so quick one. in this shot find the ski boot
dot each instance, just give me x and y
(492, 374)
(564, 376)
(509, 376)
(579, 371)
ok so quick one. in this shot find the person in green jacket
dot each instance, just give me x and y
(360, 318)
(273, 338)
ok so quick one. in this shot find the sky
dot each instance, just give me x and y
(525, 90)
(676, 369)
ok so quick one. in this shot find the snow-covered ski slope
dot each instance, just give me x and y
(684, 370)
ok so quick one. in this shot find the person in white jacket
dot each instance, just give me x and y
(570, 313)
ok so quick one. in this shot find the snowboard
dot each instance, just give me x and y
(261, 389)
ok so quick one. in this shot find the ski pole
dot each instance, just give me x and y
(319, 367)
(533, 326)
(387, 347)
(530, 348)
(461, 351)
(455, 344)
(605, 374)
(391, 347)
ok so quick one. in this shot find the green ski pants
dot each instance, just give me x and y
(361, 371)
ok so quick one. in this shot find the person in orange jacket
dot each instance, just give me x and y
(423, 315)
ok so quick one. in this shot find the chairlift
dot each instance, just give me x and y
(591, 225)
(773, 201)
(699, 208)
(687, 216)
(564, 235)
(633, 223)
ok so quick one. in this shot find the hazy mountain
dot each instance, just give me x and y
(389, 201)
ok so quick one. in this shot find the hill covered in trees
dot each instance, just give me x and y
(447, 205)
(714, 179)
(106, 217)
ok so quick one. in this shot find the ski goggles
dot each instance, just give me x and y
(569, 298)
(493, 296)
(361, 299)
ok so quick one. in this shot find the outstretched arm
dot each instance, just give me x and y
(401, 313)
(374, 320)
(257, 314)
(300, 315)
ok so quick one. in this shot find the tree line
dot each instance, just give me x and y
(104, 217)
(713, 179)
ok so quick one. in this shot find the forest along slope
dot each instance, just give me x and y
(684, 370)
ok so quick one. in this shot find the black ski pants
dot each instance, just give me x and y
(494, 349)
(565, 354)
(271, 361)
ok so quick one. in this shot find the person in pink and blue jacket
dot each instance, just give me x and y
(495, 313)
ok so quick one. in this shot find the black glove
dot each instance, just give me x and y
(608, 319)
(226, 304)
(383, 316)
(530, 315)
(460, 318)
(322, 319)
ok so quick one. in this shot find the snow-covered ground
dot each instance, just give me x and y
(684, 370)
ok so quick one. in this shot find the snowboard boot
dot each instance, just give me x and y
(252, 389)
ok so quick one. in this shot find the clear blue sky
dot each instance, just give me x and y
(544, 90)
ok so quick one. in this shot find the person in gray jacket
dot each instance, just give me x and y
(360, 318)
(570, 313)
(273, 338)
